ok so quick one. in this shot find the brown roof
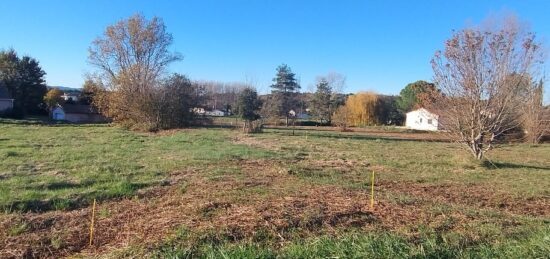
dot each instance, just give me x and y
(79, 108)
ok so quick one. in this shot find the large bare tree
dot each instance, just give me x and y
(132, 57)
(481, 75)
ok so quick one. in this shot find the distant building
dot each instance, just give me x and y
(70, 96)
(77, 113)
(198, 111)
(291, 113)
(215, 113)
(422, 119)
(6, 102)
(299, 115)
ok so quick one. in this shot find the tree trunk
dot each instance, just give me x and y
(476, 148)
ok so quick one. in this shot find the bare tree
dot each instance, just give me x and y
(221, 95)
(480, 75)
(535, 125)
(327, 95)
(132, 56)
(336, 81)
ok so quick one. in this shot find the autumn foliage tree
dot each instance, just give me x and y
(132, 57)
(342, 117)
(52, 98)
(480, 74)
(363, 107)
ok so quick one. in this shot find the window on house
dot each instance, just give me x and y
(429, 121)
(420, 120)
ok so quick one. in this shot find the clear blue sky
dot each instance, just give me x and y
(378, 45)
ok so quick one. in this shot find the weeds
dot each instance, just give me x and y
(270, 195)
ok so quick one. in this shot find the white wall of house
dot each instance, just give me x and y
(422, 119)
(215, 113)
(58, 114)
(71, 97)
(6, 104)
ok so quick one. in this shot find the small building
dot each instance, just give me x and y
(299, 115)
(422, 119)
(6, 102)
(215, 113)
(77, 113)
(74, 97)
(198, 111)
(291, 113)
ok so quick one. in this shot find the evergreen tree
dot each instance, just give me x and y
(413, 94)
(248, 106)
(283, 91)
(24, 79)
(322, 102)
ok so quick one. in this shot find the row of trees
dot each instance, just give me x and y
(487, 82)
(24, 79)
(131, 86)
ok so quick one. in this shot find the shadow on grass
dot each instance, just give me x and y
(127, 190)
(502, 165)
(44, 121)
(350, 136)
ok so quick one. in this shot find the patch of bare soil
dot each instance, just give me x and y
(204, 205)
(479, 196)
(229, 207)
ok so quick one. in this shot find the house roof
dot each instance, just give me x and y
(4, 94)
(79, 108)
(422, 110)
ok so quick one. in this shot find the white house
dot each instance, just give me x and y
(215, 113)
(198, 111)
(70, 96)
(422, 119)
(6, 102)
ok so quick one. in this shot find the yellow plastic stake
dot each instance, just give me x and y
(92, 225)
(372, 191)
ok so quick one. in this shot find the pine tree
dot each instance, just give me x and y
(24, 79)
(322, 102)
(283, 89)
(248, 106)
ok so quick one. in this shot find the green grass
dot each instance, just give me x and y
(62, 167)
(368, 245)
(522, 170)
(48, 167)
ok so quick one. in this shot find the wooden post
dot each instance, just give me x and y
(92, 225)
(372, 191)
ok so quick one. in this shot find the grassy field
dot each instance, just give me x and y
(218, 193)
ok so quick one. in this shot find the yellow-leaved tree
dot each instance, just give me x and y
(363, 107)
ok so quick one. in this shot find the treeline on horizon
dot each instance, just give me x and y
(23, 78)
(487, 82)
